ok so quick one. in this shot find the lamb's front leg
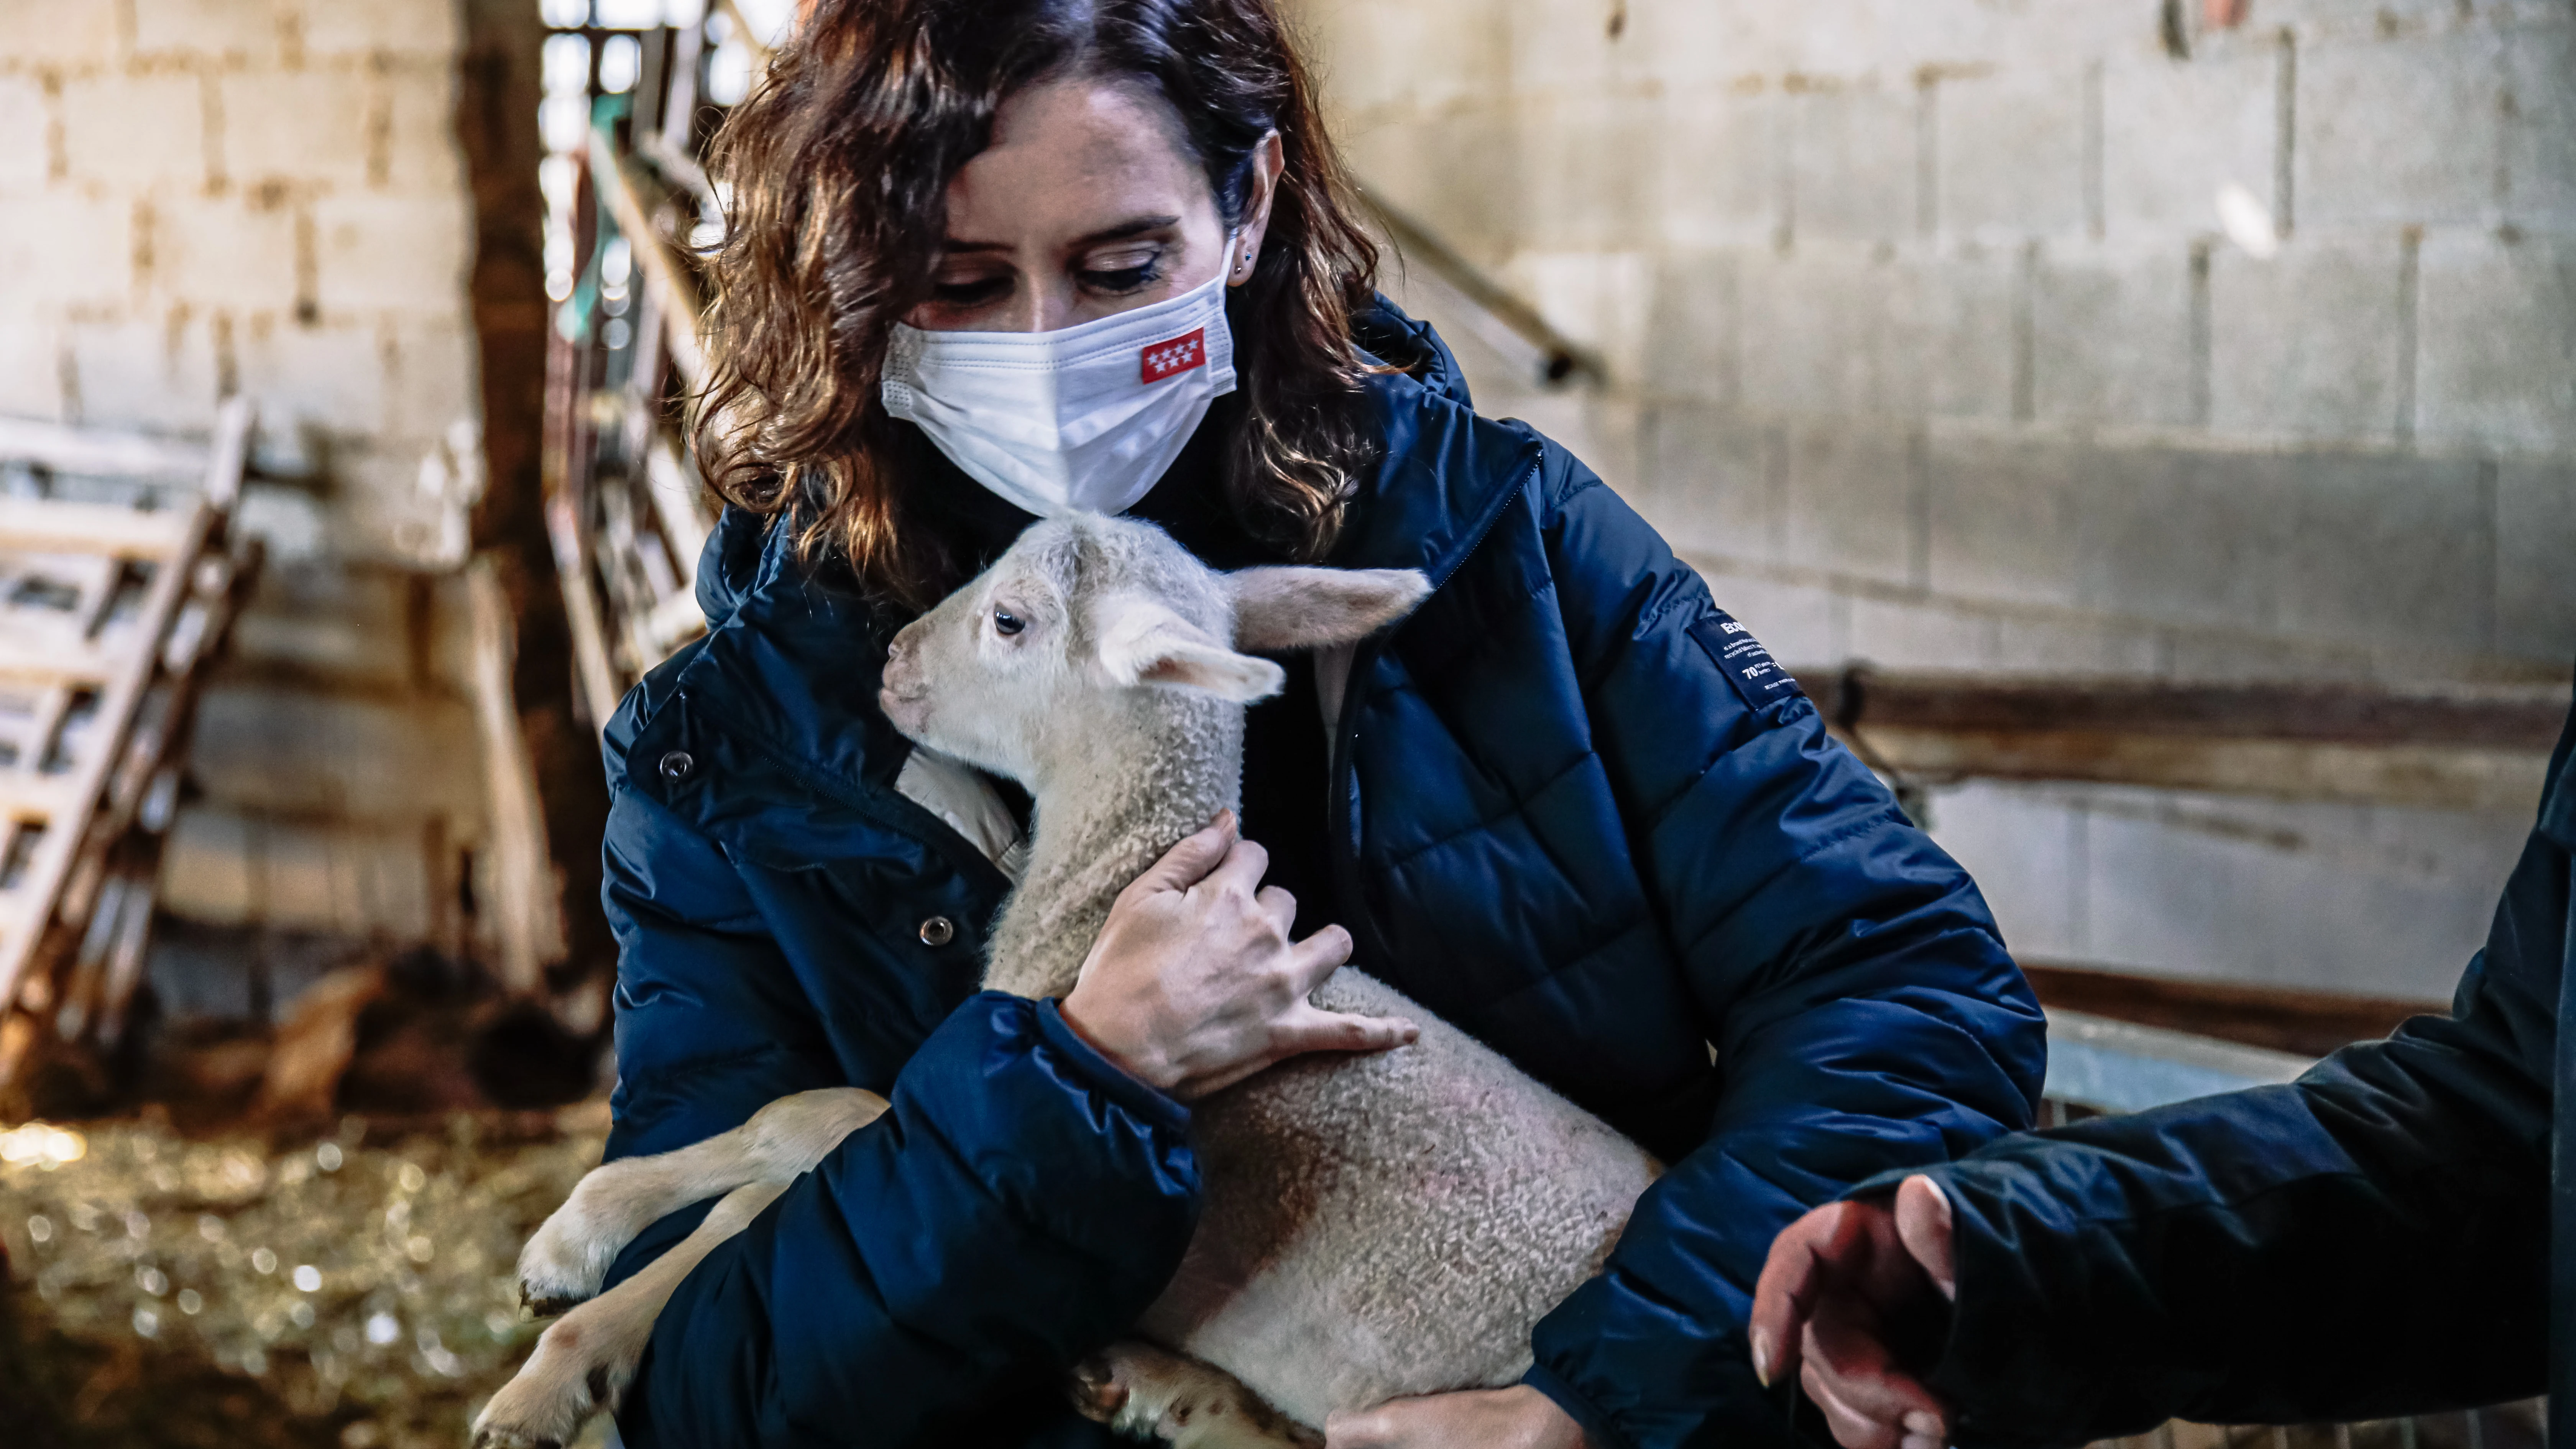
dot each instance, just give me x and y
(1145, 1392)
(568, 1258)
(584, 1362)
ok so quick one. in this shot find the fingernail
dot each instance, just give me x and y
(1762, 1357)
(1922, 1423)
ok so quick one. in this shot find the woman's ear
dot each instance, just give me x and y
(1309, 608)
(1269, 161)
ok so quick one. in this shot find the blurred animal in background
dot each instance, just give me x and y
(1374, 1226)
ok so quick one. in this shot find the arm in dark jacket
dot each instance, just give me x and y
(1863, 1008)
(1019, 1205)
(2368, 1241)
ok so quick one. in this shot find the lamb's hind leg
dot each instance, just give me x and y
(585, 1361)
(570, 1255)
(1149, 1393)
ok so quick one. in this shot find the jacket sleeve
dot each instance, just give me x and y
(1018, 1206)
(1862, 1009)
(2366, 1242)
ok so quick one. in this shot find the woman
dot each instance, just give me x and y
(1000, 259)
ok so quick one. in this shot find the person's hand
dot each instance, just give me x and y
(1837, 1286)
(1194, 985)
(1519, 1417)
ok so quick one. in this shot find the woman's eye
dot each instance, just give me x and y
(1007, 623)
(1121, 279)
(971, 294)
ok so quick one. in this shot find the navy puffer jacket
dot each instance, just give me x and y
(1574, 810)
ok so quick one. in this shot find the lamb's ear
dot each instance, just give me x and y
(1305, 608)
(1142, 642)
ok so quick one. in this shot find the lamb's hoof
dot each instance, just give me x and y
(1096, 1392)
(558, 1269)
(549, 1400)
(1145, 1393)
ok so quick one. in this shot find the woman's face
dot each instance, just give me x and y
(1086, 204)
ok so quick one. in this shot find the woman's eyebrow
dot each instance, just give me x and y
(1133, 226)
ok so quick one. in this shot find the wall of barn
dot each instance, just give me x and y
(267, 197)
(1927, 343)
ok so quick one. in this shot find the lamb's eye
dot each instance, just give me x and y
(1006, 623)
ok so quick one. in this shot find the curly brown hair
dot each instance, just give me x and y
(840, 162)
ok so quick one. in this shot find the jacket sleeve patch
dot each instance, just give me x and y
(1758, 678)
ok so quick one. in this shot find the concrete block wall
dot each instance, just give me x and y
(254, 196)
(1927, 342)
(1878, 244)
(267, 197)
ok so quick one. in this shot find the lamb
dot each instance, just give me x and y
(1373, 1226)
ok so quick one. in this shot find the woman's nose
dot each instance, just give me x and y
(1037, 307)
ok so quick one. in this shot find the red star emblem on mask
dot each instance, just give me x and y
(1160, 360)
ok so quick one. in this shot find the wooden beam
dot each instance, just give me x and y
(678, 504)
(2508, 717)
(2462, 748)
(2309, 1023)
(674, 288)
(2428, 776)
(56, 666)
(48, 525)
(527, 909)
(592, 670)
(91, 454)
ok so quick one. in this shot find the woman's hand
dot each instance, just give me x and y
(1519, 1417)
(1835, 1283)
(1194, 985)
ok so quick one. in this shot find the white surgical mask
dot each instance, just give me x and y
(1084, 419)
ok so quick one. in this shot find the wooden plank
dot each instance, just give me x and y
(674, 622)
(2446, 747)
(679, 503)
(229, 457)
(2508, 717)
(119, 695)
(2419, 775)
(51, 667)
(96, 454)
(676, 291)
(529, 915)
(52, 703)
(52, 525)
(37, 799)
(125, 958)
(592, 671)
(2310, 1023)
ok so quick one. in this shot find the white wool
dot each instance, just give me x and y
(1374, 1225)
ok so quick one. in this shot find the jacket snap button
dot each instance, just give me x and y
(676, 766)
(938, 931)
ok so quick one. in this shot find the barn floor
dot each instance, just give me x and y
(352, 1291)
